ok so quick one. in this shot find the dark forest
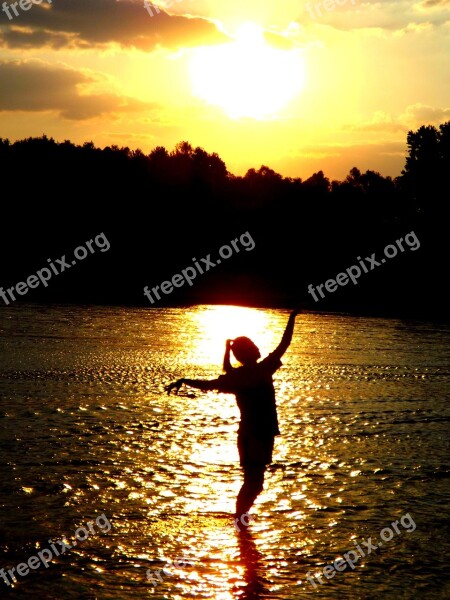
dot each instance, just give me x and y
(160, 210)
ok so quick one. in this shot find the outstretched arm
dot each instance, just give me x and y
(226, 357)
(287, 335)
(201, 384)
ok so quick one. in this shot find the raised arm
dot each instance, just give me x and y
(287, 335)
(226, 357)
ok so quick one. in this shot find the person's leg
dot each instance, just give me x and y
(251, 488)
(255, 455)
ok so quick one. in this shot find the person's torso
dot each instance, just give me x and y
(256, 401)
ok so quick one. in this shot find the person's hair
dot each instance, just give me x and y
(241, 348)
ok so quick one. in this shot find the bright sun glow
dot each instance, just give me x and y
(247, 77)
(217, 323)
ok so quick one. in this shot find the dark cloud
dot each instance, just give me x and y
(16, 37)
(434, 3)
(34, 86)
(90, 23)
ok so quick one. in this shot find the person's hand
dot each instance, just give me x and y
(174, 386)
(228, 343)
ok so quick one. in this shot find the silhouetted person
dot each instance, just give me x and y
(255, 395)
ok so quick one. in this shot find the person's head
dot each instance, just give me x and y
(245, 350)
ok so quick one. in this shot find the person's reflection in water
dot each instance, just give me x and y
(251, 560)
(252, 385)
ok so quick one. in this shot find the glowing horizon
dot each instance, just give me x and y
(258, 84)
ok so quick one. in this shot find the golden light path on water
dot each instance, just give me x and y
(86, 428)
(213, 326)
(211, 460)
(202, 463)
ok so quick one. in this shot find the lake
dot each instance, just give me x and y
(91, 444)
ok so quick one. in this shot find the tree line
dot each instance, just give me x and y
(159, 210)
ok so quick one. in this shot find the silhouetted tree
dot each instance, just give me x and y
(425, 176)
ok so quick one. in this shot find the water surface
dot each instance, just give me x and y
(86, 429)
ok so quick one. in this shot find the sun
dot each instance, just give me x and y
(218, 323)
(247, 77)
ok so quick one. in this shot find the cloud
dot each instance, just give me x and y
(34, 86)
(434, 3)
(416, 115)
(336, 160)
(413, 117)
(99, 23)
(280, 42)
(384, 15)
(380, 122)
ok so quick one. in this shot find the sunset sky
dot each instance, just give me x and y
(296, 87)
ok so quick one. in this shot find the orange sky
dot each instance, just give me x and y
(294, 85)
